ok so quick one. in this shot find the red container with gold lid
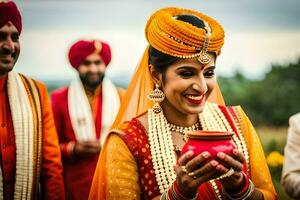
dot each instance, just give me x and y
(210, 141)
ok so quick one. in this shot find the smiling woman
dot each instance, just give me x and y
(141, 157)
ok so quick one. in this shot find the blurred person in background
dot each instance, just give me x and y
(30, 159)
(291, 167)
(84, 113)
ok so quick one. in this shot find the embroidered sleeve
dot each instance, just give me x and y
(121, 170)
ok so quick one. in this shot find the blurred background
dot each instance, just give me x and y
(259, 67)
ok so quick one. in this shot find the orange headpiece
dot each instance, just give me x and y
(182, 39)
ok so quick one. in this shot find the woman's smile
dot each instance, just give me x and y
(195, 99)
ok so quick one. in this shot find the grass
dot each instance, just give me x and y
(274, 139)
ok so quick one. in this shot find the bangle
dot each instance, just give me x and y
(242, 189)
(175, 194)
(242, 195)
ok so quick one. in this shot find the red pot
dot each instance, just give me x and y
(210, 141)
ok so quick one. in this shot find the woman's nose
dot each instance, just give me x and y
(200, 85)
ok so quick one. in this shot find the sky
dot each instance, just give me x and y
(259, 33)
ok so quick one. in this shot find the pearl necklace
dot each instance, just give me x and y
(161, 144)
(161, 147)
(184, 130)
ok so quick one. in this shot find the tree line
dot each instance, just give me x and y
(270, 100)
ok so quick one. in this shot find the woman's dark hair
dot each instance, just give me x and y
(161, 61)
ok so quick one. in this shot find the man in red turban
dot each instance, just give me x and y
(84, 113)
(30, 159)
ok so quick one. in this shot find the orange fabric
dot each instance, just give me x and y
(117, 176)
(51, 169)
(259, 171)
(180, 39)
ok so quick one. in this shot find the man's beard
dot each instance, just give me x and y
(89, 82)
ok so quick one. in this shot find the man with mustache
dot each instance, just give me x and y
(84, 113)
(30, 159)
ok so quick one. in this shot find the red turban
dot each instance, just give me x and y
(9, 12)
(83, 48)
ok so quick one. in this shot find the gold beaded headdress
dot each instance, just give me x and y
(176, 38)
(182, 39)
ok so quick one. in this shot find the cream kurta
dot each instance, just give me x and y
(291, 168)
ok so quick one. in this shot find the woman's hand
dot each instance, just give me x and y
(192, 172)
(235, 181)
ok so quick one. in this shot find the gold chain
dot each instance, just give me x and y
(185, 130)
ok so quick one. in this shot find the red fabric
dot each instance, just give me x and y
(79, 172)
(9, 12)
(7, 141)
(83, 48)
(51, 169)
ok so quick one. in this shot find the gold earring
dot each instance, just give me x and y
(156, 96)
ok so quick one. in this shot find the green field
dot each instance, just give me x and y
(274, 139)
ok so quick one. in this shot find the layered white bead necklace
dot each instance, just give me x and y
(162, 147)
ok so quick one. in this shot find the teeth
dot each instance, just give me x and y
(194, 97)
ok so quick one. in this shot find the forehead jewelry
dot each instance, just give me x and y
(204, 58)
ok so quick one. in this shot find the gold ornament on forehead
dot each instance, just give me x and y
(4, 1)
(98, 46)
(204, 58)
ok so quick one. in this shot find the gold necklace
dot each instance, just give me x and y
(184, 130)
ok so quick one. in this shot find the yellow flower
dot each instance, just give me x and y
(275, 159)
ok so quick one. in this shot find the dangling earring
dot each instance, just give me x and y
(156, 96)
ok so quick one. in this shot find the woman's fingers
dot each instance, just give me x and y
(197, 161)
(236, 164)
(239, 155)
(199, 176)
(210, 166)
(185, 158)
